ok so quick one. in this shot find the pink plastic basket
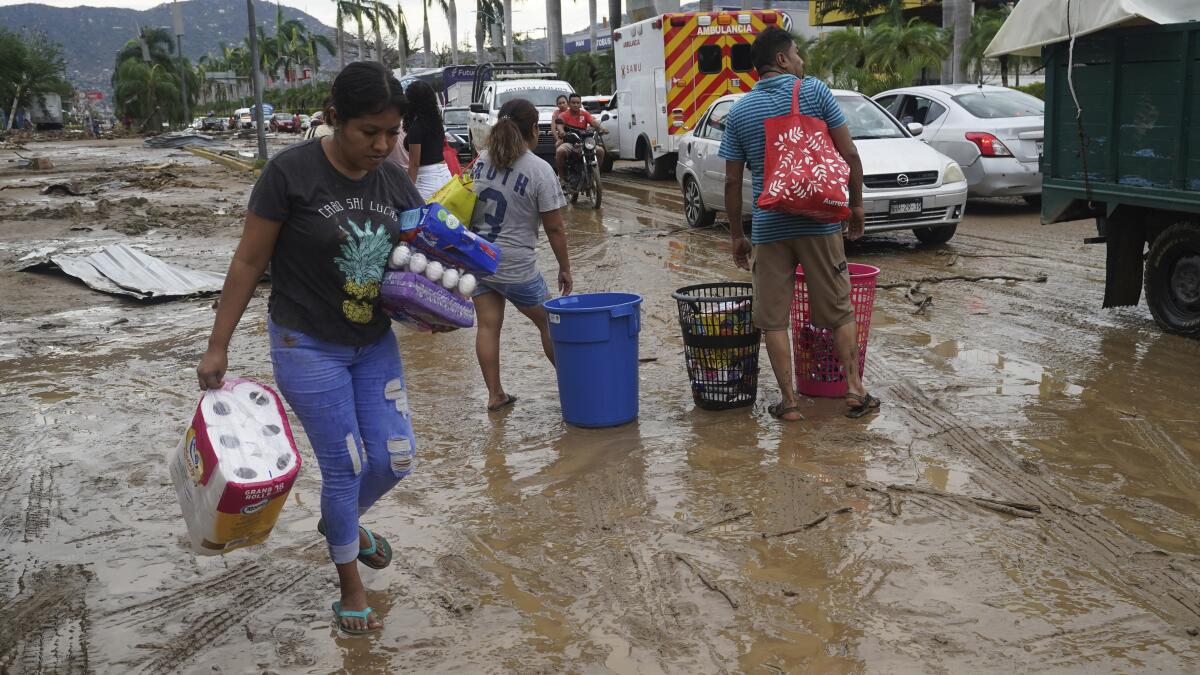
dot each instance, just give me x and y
(818, 371)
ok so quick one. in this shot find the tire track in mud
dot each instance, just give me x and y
(1165, 588)
(230, 598)
(39, 503)
(45, 627)
(1180, 470)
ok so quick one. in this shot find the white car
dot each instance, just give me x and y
(995, 134)
(906, 183)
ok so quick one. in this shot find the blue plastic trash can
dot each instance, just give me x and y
(596, 350)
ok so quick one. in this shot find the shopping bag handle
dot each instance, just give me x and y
(796, 97)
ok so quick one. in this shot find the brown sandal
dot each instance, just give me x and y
(778, 410)
(866, 405)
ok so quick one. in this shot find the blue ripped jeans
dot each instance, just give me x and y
(353, 405)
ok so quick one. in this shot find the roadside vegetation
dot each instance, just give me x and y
(31, 66)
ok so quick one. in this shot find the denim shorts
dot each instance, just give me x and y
(521, 294)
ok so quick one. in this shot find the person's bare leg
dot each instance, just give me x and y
(845, 343)
(354, 598)
(489, 317)
(779, 351)
(537, 314)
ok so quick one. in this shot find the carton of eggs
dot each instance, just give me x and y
(417, 263)
(400, 257)
(405, 259)
(434, 271)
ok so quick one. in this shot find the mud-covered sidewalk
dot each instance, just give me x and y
(1028, 500)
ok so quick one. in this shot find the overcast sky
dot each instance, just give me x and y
(528, 15)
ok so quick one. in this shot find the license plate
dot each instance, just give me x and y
(1039, 148)
(900, 207)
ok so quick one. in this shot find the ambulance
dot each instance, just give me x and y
(671, 67)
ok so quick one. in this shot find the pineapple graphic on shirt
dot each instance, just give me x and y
(363, 256)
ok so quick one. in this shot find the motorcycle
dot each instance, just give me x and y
(582, 171)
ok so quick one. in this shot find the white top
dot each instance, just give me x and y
(1036, 23)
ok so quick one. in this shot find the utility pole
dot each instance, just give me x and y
(177, 16)
(256, 82)
(508, 31)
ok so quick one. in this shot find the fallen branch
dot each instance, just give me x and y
(1040, 279)
(730, 519)
(711, 586)
(1017, 509)
(809, 525)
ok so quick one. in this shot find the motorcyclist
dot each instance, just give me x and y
(575, 118)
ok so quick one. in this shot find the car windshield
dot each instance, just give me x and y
(457, 117)
(996, 104)
(543, 97)
(867, 120)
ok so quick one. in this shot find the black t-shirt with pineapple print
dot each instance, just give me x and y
(337, 234)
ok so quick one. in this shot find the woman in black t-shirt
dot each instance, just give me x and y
(325, 216)
(425, 136)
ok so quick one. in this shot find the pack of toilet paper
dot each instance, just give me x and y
(235, 466)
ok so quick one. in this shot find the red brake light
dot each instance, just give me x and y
(679, 21)
(616, 35)
(769, 17)
(989, 145)
(657, 24)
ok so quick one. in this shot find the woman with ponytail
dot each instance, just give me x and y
(516, 192)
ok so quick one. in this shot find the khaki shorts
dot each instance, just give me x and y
(825, 273)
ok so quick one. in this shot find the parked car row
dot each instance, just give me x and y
(906, 183)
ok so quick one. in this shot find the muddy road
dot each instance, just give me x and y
(523, 545)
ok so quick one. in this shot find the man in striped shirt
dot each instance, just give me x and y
(782, 241)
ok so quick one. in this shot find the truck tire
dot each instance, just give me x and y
(1172, 280)
(935, 235)
(693, 205)
(656, 169)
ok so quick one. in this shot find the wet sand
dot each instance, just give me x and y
(525, 545)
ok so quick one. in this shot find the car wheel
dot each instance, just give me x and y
(693, 205)
(935, 235)
(1173, 279)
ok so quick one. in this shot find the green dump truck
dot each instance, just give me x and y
(1122, 141)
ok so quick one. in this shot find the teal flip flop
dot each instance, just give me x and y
(366, 555)
(364, 614)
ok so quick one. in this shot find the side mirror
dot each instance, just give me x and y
(478, 108)
(915, 128)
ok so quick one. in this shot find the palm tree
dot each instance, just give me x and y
(554, 30)
(425, 37)
(345, 8)
(984, 26)
(158, 43)
(593, 47)
(857, 9)
(142, 90)
(840, 57)
(362, 12)
(898, 52)
(452, 19)
(36, 68)
(382, 16)
(509, 44)
(402, 37)
(487, 14)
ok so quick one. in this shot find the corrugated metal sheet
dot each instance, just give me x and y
(121, 270)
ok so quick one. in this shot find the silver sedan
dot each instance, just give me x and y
(994, 133)
(906, 184)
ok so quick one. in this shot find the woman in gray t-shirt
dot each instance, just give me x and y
(516, 192)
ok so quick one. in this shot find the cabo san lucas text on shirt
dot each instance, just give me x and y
(357, 204)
